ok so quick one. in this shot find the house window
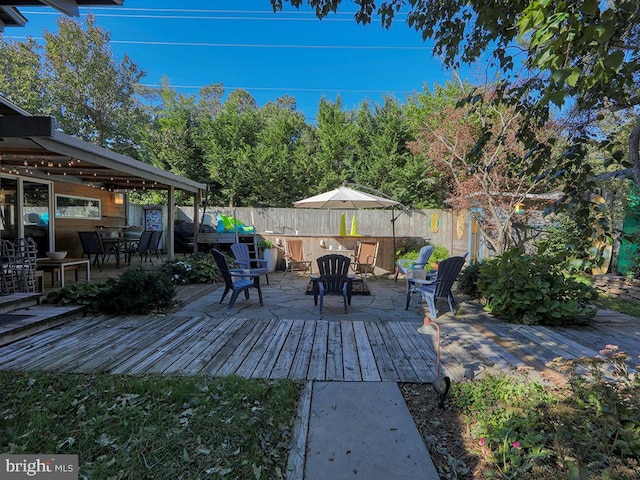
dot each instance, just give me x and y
(68, 206)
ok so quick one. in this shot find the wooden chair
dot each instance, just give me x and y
(364, 261)
(296, 258)
(243, 259)
(334, 279)
(241, 283)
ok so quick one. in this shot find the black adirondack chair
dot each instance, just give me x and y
(334, 279)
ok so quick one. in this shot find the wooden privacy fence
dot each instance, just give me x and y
(450, 229)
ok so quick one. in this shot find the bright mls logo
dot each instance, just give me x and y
(51, 467)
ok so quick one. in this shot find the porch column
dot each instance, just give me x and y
(197, 200)
(170, 223)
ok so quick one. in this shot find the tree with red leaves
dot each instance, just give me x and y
(487, 181)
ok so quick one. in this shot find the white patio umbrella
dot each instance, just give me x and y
(349, 198)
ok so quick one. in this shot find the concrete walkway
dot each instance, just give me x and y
(363, 430)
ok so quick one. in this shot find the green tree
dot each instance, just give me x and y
(22, 80)
(336, 132)
(92, 96)
(580, 51)
(172, 141)
(286, 175)
(383, 160)
(230, 139)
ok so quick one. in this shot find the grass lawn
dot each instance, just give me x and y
(151, 427)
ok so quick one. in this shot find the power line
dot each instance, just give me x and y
(274, 89)
(273, 15)
(250, 45)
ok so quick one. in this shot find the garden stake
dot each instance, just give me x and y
(442, 383)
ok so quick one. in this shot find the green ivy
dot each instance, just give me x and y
(525, 289)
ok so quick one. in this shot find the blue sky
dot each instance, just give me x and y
(245, 45)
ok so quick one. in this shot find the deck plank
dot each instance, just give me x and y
(399, 358)
(284, 360)
(273, 350)
(225, 345)
(350, 361)
(334, 371)
(302, 360)
(318, 363)
(384, 363)
(196, 358)
(199, 340)
(368, 366)
(239, 348)
(331, 349)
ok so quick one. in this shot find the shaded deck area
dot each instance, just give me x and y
(286, 338)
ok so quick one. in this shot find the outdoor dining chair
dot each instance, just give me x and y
(440, 287)
(92, 245)
(243, 260)
(235, 281)
(139, 248)
(154, 244)
(334, 279)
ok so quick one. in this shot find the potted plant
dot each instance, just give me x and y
(269, 253)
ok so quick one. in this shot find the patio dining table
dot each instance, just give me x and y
(118, 244)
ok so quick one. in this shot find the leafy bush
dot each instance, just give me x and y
(137, 291)
(439, 253)
(468, 280)
(525, 289)
(264, 244)
(78, 294)
(407, 248)
(198, 268)
(565, 241)
(588, 429)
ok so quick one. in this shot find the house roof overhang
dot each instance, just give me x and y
(31, 146)
(11, 17)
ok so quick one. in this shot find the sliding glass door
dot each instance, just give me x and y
(25, 211)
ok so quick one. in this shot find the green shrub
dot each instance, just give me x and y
(585, 429)
(78, 294)
(525, 289)
(407, 248)
(137, 291)
(198, 268)
(468, 280)
(439, 253)
(264, 244)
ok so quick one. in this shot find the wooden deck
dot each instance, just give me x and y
(310, 349)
